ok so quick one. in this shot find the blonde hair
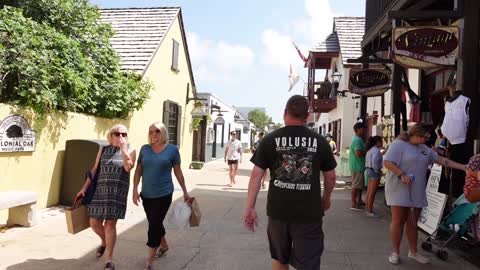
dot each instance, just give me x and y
(418, 129)
(112, 130)
(163, 132)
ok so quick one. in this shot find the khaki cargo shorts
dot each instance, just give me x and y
(357, 180)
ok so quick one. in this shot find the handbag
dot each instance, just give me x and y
(196, 215)
(77, 218)
(87, 199)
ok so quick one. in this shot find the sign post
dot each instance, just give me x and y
(432, 214)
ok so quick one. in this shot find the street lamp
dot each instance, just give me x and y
(336, 76)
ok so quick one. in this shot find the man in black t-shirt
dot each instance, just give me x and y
(295, 155)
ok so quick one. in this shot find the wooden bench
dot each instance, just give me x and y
(21, 207)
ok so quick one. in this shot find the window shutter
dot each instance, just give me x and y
(175, 55)
(166, 112)
(179, 124)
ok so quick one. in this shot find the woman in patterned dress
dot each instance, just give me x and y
(109, 202)
(472, 183)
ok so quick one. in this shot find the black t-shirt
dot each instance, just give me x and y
(295, 156)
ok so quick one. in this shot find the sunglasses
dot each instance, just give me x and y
(118, 134)
(151, 132)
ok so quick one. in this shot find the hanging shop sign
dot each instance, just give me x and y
(426, 46)
(369, 82)
(16, 135)
(432, 214)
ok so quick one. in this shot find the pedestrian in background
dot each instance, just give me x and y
(295, 155)
(155, 163)
(373, 170)
(407, 161)
(356, 162)
(233, 155)
(254, 148)
(109, 202)
(332, 143)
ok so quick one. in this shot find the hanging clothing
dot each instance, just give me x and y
(437, 108)
(415, 112)
(455, 123)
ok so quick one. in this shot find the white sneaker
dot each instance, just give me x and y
(368, 214)
(419, 258)
(394, 258)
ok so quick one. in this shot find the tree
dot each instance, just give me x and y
(56, 56)
(259, 118)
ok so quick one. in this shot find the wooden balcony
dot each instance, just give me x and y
(323, 105)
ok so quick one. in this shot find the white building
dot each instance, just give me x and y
(224, 118)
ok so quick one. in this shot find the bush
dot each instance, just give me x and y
(55, 56)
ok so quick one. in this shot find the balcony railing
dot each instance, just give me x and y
(375, 9)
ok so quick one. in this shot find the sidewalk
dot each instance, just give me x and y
(352, 241)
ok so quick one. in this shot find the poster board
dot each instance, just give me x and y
(432, 214)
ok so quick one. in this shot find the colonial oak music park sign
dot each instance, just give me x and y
(16, 135)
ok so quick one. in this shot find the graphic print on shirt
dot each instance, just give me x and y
(294, 169)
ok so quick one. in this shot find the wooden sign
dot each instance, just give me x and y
(426, 46)
(369, 82)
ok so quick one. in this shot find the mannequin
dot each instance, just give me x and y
(454, 128)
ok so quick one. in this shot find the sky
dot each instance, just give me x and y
(241, 51)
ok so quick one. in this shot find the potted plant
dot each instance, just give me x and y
(196, 165)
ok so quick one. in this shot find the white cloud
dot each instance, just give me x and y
(314, 27)
(218, 61)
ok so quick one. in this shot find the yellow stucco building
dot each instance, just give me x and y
(150, 41)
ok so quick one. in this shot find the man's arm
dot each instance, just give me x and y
(360, 153)
(254, 186)
(329, 179)
(250, 218)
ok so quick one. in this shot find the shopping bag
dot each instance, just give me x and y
(196, 215)
(78, 218)
(180, 215)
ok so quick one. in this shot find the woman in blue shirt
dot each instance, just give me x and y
(373, 170)
(155, 163)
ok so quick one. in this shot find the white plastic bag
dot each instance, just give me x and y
(181, 215)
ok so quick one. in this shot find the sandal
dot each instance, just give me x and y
(161, 252)
(100, 251)
(110, 266)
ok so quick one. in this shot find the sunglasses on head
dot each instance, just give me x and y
(118, 134)
(156, 131)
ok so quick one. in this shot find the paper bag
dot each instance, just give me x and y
(196, 214)
(77, 219)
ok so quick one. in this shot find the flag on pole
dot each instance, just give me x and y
(293, 78)
(300, 53)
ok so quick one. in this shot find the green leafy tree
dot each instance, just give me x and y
(259, 118)
(56, 56)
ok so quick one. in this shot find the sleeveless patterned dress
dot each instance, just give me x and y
(110, 199)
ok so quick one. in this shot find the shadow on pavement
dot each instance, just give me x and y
(209, 246)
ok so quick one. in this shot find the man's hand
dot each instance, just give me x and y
(326, 203)
(250, 220)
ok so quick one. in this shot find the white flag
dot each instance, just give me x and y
(293, 78)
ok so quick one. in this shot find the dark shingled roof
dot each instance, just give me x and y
(346, 38)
